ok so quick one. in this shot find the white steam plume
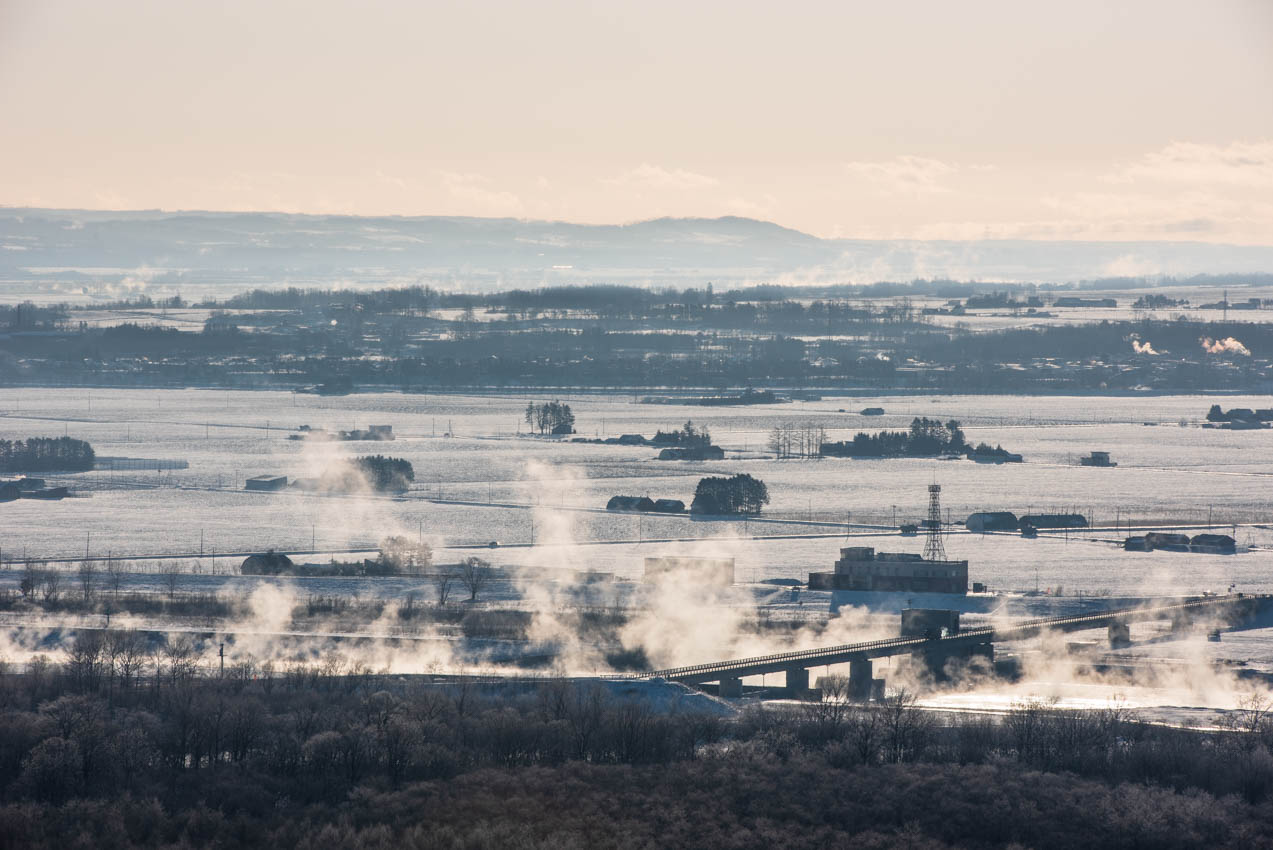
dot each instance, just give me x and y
(1227, 345)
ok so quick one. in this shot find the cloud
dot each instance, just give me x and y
(1248, 164)
(474, 190)
(905, 173)
(646, 176)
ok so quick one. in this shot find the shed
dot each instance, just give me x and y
(1169, 541)
(669, 506)
(266, 483)
(9, 491)
(1213, 544)
(269, 563)
(983, 521)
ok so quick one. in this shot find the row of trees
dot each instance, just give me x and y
(46, 454)
(399, 555)
(688, 436)
(797, 440)
(550, 417)
(925, 438)
(738, 494)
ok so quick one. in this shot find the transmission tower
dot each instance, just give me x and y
(934, 549)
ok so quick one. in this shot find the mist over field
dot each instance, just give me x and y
(87, 254)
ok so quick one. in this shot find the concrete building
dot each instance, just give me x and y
(862, 568)
(718, 572)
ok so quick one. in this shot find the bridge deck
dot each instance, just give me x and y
(845, 653)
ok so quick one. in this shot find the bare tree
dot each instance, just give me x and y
(115, 576)
(50, 585)
(128, 655)
(170, 572)
(475, 574)
(905, 727)
(29, 583)
(87, 574)
(442, 582)
(181, 658)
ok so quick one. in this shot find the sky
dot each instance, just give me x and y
(912, 120)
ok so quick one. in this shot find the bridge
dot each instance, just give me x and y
(1225, 611)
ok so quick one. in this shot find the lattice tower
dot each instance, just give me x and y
(934, 549)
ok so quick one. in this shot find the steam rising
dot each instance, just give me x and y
(1145, 347)
(1228, 345)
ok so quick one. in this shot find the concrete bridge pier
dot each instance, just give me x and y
(730, 687)
(861, 679)
(797, 681)
(1120, 634)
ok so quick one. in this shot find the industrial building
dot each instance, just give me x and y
(1054, 521)
(862, 568)
(718, 572)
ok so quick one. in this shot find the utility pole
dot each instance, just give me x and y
(221, 652)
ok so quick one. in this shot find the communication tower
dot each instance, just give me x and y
(934, 549)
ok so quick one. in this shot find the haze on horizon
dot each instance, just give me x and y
(925, 120)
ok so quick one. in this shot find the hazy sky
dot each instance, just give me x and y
(1077, 119)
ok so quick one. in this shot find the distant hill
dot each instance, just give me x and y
(79, 253)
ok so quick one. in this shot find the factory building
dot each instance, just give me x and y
(862, 568)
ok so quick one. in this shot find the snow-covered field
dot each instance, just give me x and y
(486, 483)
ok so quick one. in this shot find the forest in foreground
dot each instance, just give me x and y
(121, 743)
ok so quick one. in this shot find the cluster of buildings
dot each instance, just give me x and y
(29, 488)
(370, 433)
(644, 504)
(1207, 544)
(983, 522)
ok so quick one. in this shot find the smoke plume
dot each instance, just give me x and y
(1228, 345)
(1145, 347)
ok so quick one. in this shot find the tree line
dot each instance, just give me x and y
(797, 440)
(133, 743)
(738, 494)
(550, 417)
(925, 438)
(46, 454)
